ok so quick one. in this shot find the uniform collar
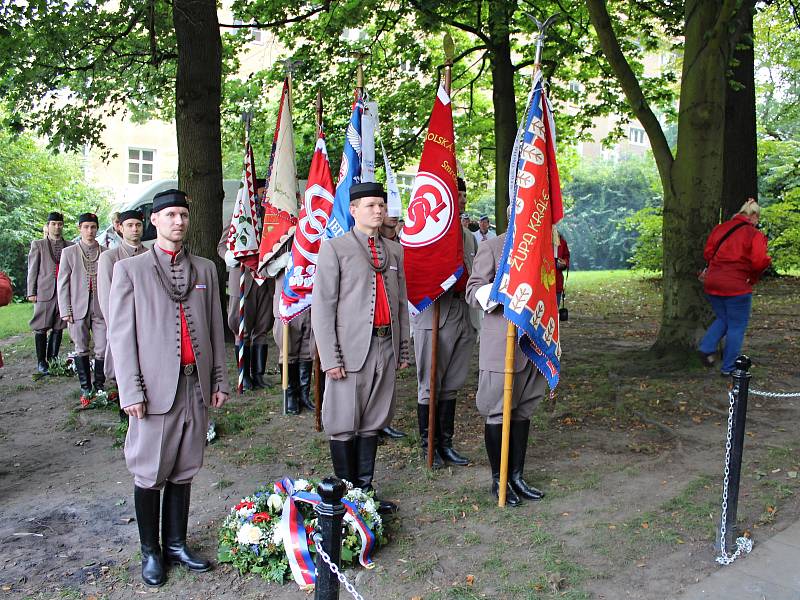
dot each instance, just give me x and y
(173, 257)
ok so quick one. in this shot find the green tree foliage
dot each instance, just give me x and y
(777, 57)
(599, 198)
(647, 224)
(779, 193)
(33, 182)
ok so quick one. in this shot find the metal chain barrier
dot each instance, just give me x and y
(774, 394)
(743, 544)
(334, 569)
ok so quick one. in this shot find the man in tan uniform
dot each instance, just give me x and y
(43, 260)
(258, 319)
(456, 341)
(168, 340)
(79, 305)
(131, 226)
(301, 353)
(529, 384)
(389, 231)
(360, 322)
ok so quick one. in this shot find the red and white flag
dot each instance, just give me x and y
(298, 285)
(431, 236)
(243, 234)
(281, 198)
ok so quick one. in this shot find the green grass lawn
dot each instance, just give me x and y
(14, 319)
(585, 280)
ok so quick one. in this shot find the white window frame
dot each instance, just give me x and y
(637, 136)
(139, 162)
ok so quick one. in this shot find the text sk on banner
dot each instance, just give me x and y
(526, 285)
(341, 220)
(431, 236)
(298, 286)
(281, 198)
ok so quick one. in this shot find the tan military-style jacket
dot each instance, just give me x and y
(493, 331)
(424, 320)
(146, 329)
(105, 270)
(73, 284)
(42, 270)
(344, 301)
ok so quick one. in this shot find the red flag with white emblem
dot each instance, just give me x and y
(431, 236)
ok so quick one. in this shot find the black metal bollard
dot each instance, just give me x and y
(330, 513)
(741, 382)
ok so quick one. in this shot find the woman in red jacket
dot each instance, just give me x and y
(736, 253)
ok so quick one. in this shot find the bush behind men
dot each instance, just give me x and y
(168, 340)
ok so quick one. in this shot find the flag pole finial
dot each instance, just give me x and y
(543, 27)
(319, 110)
(449, 48)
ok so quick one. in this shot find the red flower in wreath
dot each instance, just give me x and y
(261, 517)
(85, 402)
(242, 505)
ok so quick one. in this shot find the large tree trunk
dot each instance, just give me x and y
(198, 90)
(692, 203)
(740, 167)
(505, 106)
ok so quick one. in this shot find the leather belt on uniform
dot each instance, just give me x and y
(188, 369)
(383, 331)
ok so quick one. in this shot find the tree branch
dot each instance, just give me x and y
(457, 24)
(598, 13)
(259, 25)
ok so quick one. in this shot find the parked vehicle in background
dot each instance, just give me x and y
(144, 202)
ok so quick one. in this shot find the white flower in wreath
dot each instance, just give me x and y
(277, 537)
(275, 502)
(302, 485)
(245, 512)
(249, 534)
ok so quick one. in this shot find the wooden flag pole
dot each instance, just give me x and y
(290, 66)
(432, 394)
(508, 390)
(317, 368)
(448, 70)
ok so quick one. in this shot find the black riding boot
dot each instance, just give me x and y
(367, 448)
(343, 457)
(305, 385)
(493, 435)
(519, 445)
(445, 425)
(41, 353)
(422, 422)
(392, 433)
(54, 344)
(84, 375)
(247, 383)
(258, 365)
(175, 519)
(293, 391)
(99, 374)
(148, 508)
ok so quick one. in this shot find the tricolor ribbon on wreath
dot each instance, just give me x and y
(295, 537)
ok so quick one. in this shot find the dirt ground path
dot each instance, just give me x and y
(630, 455)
